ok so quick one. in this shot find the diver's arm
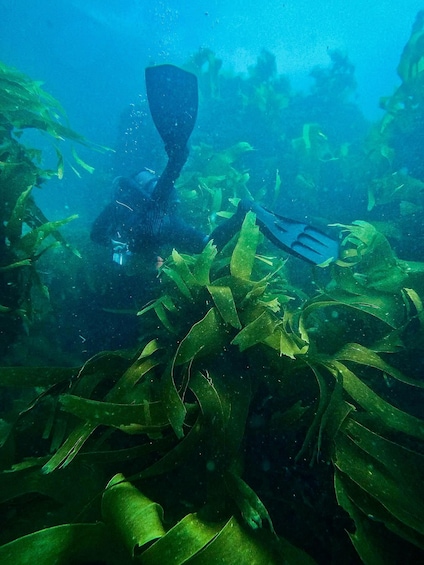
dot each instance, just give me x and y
(177, 159)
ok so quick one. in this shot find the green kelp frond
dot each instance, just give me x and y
(312, 141)
(212, 163)
(377, 267)
(411, 63)
(211, 181)
(234, 361)
(27, 233)
(229, 301)
(24, 104)
(379, 482)
(207, 66)
(397, 186)
(133, 530)
(312, 150)
(406, 102)
(180, 408)
(370, 294)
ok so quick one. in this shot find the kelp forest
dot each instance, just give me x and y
(258, 409)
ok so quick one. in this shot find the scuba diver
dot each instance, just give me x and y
(142, 216)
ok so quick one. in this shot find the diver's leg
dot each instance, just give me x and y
(222, 234)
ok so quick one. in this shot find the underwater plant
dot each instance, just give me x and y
(212, 185)
(143, 427)
(255, 420)
(393, 172)
(25, 233)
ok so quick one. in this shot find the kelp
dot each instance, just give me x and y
(183, 402)
(312, 149)
(254, 416)
(212, 183)
(376, 493)
(397, 186)
(25, 105)
(407, 97)
(398, 174)
(205, 63)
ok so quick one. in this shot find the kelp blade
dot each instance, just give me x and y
(68, 543)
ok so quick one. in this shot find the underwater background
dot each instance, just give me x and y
(240, 406)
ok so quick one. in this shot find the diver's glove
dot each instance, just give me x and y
(121, 252)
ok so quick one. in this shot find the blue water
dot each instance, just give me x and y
(91, 54)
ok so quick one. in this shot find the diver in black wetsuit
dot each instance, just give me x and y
(135, 223)
(142, 216)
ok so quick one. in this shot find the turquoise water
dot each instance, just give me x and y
(277, 399)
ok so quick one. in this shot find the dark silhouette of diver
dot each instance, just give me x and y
(142, 216)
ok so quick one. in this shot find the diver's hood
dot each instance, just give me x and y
(146, 181)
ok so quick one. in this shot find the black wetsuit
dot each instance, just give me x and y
(143, 215)
(144, 225)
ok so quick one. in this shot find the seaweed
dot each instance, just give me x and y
(256, 418)
(184, 401)
(25, 233)
(213, 184)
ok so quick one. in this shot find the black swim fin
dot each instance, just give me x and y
(297, 238)
(172, 94)
(173, 101)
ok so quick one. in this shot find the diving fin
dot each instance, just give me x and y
(297, 238)
(172, 94)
